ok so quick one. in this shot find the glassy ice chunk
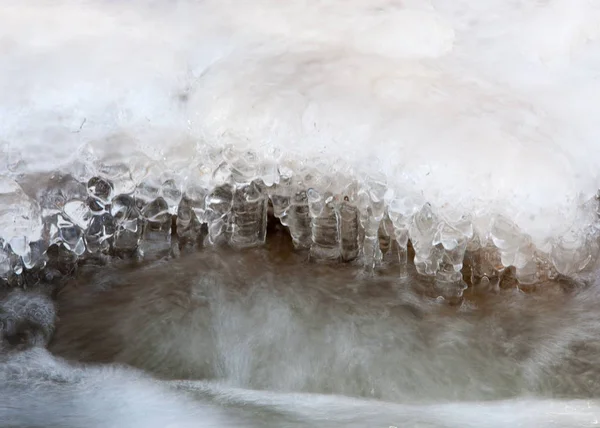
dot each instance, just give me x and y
(528, 273)
(349, 231)
(371, 250)
(400, 212)
(36, 258)
(128, 225)
(377, 189)
(453, 238)
(156, 235)
(100, 189)
(119, 174)
(268, 173)
(281, 204)
(191, 213)
(99, 233)
(188, 223)
(516, 249)
(298, 220)
(485, 266)
(505, 234)
(290, 205)
(281, 194)
(157, 214)
(59, 190)
(249, 216)
(6, 261)
(172, 194)
(371, 201)
(244, 167)
(222, 173)
(78, 212)
(325, 226)
(385, 237)
(574, 251)
(218, 211)
(20, 218)
(422, 231)
(59, 230)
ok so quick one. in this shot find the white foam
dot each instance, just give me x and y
(489, 106)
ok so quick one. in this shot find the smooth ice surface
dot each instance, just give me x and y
(488, 107)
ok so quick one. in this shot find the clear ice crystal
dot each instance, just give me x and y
(325, 226)
(218, 211)
(9, 263)
(298, 220)
(574, 251)
(156, 235)
(228, 191)
(280, 193)
(78, 212)
(59, 190)
(243, 167)
(20, 218)
(171, 192)
(371, 202)
(422, 232)
(100, 193)
(119, 174)
(191, 213)
(127, 222)
(515, 248)
(349, 230)
(400, 210)
(386, 238)
(290, 206)
(98, 235)
(453, 238)
(187, 223)
(249, 216)
(100, 189)
(60, 230)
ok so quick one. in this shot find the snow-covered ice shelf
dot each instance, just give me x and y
(468, 128)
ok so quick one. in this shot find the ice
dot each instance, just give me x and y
(128, 223)
(100, 192)
(218, 211)
(20, 222)
(249, 215)
(99, 233)
(324, 225)
(468, 129)
(349, 231)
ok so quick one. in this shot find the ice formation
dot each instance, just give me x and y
(466, 128)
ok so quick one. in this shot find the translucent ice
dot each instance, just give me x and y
(128, 223)
(249, 215)
(324, 224)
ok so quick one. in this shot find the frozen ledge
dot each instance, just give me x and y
(468, 128)
(333, 212)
